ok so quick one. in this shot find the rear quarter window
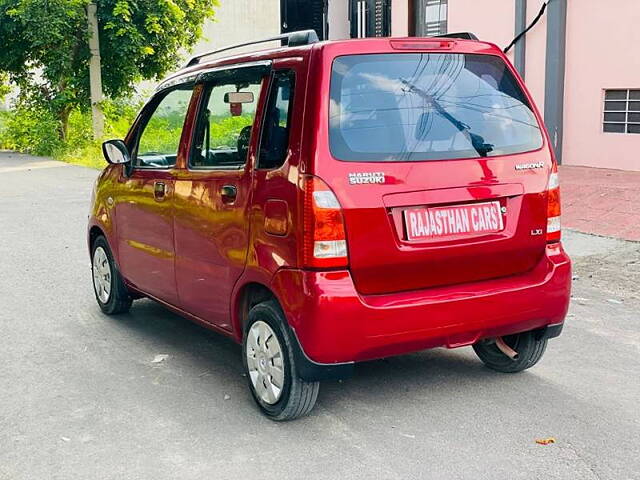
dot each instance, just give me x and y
(431, 106)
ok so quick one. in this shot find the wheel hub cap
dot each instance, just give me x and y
(265, 362)
(101, 274)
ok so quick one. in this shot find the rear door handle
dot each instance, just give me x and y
(159, 190)
(228, 193)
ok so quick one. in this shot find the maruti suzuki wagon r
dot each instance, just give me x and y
(326, 203)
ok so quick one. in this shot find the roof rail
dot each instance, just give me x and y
(463, 35)
(293, 39)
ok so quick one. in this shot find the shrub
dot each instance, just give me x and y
(31, 130)
(119, 116)
(35, 131)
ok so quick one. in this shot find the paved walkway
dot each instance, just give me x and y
(601, 201)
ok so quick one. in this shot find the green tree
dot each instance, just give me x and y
(45, 48)
(4, 85)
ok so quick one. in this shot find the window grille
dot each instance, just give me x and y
(434, 17)
(621, 111)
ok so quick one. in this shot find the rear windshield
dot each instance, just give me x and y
(431, 106)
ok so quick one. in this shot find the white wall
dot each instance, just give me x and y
(239, 21)
(399, 18)
(236, 21)
(338, 17)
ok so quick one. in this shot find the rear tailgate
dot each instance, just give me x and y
(384, 259)
(441, 169)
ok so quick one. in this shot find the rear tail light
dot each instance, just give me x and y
(553, 207)
(325, 242)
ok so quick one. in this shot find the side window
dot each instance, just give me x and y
(277, 122)
(160, 138)
(224, 125)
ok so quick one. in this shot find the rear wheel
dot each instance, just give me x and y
(529, 351)
(111, 293)
(270, 365)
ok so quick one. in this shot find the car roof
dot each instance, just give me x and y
(357, 46)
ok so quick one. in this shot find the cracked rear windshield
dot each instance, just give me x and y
(431, 106)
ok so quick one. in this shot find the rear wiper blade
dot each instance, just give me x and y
(477, 141)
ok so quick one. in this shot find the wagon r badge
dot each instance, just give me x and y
(366, 177)
(529, 166)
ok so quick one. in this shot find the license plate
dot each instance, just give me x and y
(457, 220)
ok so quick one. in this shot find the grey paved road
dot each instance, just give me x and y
(81, 398)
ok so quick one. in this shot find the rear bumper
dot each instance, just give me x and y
(335, 324)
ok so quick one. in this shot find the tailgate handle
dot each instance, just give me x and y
(453, 195)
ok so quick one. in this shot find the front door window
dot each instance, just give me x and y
(159, 141)
(145, 200)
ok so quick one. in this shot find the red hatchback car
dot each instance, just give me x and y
(325, 203)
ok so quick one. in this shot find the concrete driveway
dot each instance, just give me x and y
(81, 396)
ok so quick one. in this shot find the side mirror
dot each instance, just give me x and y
(115, 152)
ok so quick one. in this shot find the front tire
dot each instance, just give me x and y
(108, 285)
(530, 350)
(270, 366)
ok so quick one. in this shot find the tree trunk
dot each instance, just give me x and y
(63, 117)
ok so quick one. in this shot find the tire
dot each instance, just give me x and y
(108, 285)
(530, 350)
(270, 365)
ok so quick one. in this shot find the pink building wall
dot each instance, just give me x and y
(536, 53)
(600, 58)
(490, 20)
(597, 58)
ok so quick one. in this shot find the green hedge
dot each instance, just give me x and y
(31, 131)
(36, 132)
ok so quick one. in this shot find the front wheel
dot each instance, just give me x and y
(111, 292)
(270, 366)
(528, 347)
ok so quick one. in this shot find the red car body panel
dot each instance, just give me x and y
(145, 234)
(335, 323)
(211, 234)
(395, 296)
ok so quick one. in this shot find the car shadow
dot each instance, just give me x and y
(172, 333)
(436, 374)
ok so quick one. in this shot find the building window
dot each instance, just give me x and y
(431, 17)
(621, 111)
(304, 15)
(370, 18)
